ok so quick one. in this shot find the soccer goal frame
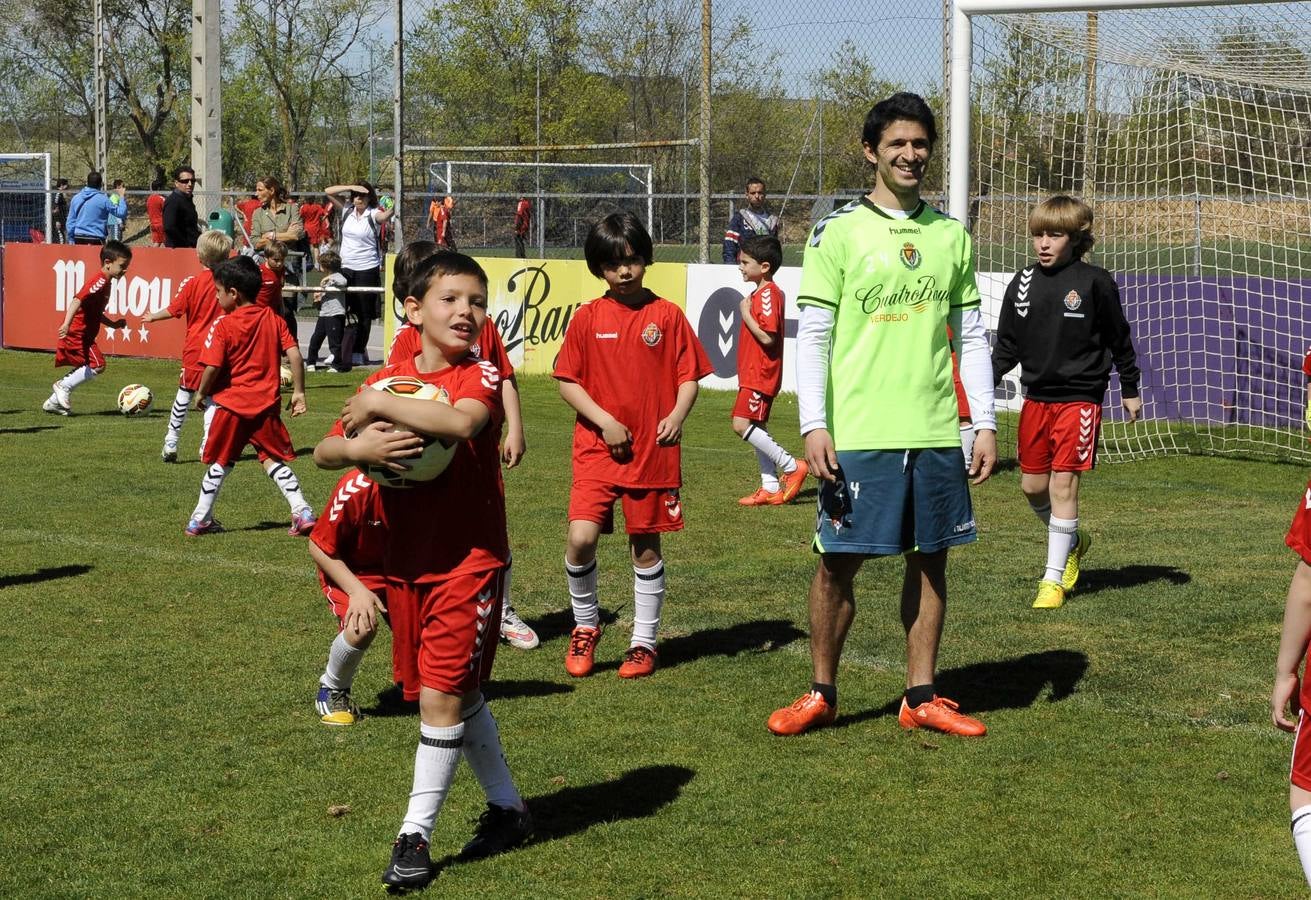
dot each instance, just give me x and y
(47, 205)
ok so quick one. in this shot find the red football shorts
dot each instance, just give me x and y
(646, 510)
(1299, 772)
(1058, 437)
(75, 353)
(752, 405)
(339, 600)
(229, 434)
(1299, 533)
(458, 626)
(189, 377)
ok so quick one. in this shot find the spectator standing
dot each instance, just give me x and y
(278, 220)
(754, 218)
(442, 233)
(247, 209)
(88, 213)
(155, 213)
(362, 243)
(181, 224)
(114, 224)
(523, 223)
(59, 211)
(318, 233)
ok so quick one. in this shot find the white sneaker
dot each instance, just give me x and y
(515, 631)
(52, 406)
(61, 395)
(170, 453)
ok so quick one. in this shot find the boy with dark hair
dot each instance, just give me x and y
(241, 357)
(90, 209)
(629, 367)
(1061, 321)
(81, 326)
(197, 302)
(752, 219)
(452, 585)
(180, 222)
(406, 344)
(760, 372)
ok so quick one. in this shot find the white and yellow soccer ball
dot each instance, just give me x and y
(437, 453)
(284, 376)
(135, 399)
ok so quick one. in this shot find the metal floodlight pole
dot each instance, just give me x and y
(398, 120)
(101, 88)
(703, 229)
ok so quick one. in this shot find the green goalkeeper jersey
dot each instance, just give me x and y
(892, 285)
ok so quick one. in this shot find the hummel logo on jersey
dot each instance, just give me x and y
(673, 506)
(607, 335)
(1022, 295)
(345, 492)
(490, 377)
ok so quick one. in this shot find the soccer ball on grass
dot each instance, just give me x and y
(437, 453)
(135, 399)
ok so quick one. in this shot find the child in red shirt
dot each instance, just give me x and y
(197, 303)
(81, 326)
(453, 582)
(629, 367)
(155, 215)
(760, 372)
(241, 357)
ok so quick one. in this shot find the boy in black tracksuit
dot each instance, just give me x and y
(1061, 321)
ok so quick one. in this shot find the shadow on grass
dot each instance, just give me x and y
(391, 702)
(560, 622)
(41, 575)
(636, 794)
(763, 636)
(266, 525)
(30, 429)
(1093, 580)
(1005, 684)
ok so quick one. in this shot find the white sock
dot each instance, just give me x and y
(1044, 512)
(434, 770)
(768, 473)
(210, 406)
(648, 597)
(177, 417)
(210, 486)
(287, 482)
(582, 594)
(78, 376)
(764, 443)
(967, 443)
(1302, 838)
(1061, 534)
(485, 755)
(343, 661)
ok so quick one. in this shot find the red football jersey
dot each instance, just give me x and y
(315, 220)
(247, 208)
(350, 529)
(630, 360)
(85, 327)
(155, 213)
(196, 302)
(761, 368)
(247, 346)
(454, 524)
(408, 343)
(270, 289)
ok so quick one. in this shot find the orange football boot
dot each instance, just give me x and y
(940, 714)
(810, 711)
(582, 647)
(792, 483)
(761, 497)
(639, 661)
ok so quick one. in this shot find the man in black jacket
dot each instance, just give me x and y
(181, 224)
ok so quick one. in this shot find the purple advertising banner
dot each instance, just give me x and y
(1218, 350)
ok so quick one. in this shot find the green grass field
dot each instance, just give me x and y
(158, 739)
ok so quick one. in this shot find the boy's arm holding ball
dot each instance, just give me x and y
(459, 422)
(615, 434)
(378, 444)
(363, 608)
(669, 430)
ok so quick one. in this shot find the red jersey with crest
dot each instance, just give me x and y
(630, 360)
(85, 327)
(350, 529)
(270, 289)
(761, 368)
(247, 345)
(196, 302)
(455, 524)
(408, 342)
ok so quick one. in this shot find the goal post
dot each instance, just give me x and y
(25, 200)
(1186, 125)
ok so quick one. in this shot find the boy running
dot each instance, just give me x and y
(241, 359)
(453, 583)
(197, 302)
(81, 326)
(629, 367)
(1061, 321)
(760, 372)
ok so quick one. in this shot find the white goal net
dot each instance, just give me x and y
(25, 198)
(1188, 129)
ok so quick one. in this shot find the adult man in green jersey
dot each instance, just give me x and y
(885, 282)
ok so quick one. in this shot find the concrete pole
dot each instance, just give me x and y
(398, 120)
(206, 106)
(101, 88)
(703, 231)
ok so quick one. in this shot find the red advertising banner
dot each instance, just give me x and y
(41, 279)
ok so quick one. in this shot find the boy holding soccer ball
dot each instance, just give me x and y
(81, 326)
(1061, 320)
(449, 573)
(241, 388)
(629, 368)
